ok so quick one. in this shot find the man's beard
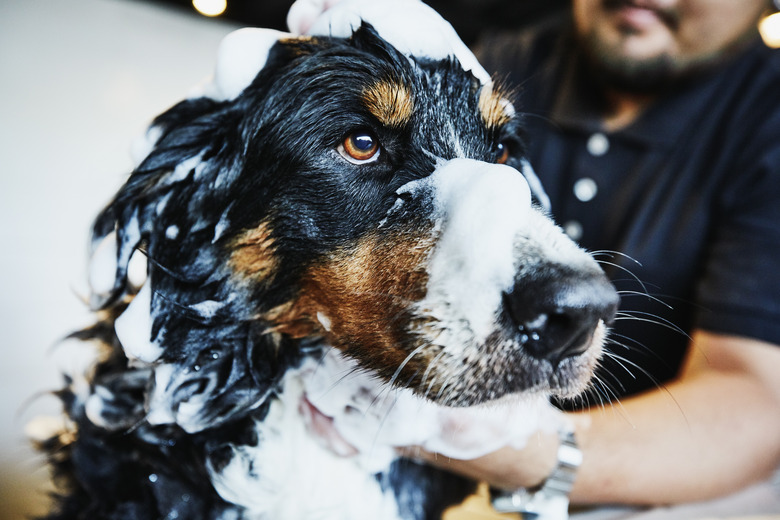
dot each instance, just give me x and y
(641, 76)
(646, 76)
(653, 75)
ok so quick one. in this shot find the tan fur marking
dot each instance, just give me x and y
(253, 255)
(494, 106)
(300, 45)
(390, 102)
(296, 39)
(366, 293)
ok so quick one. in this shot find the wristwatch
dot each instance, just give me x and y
(550, 499)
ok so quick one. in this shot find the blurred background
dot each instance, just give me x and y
(79, 80)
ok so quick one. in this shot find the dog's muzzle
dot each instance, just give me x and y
(510, 300)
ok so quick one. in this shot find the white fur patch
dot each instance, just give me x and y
(95, 406)
(481, 209)
(290, 475)
(77, 359)
(291, 462)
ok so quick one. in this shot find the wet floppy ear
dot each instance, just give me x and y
(179, 139)
(195, 135)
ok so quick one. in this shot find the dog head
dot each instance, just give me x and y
(349, 193)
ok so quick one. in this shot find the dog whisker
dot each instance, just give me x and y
(599, 390)
(625, 363)
(645, 295)
(634, 277)
(405, 362)
(612, 254)
(629, 343)
(432, 368)
(650, 318)
(170, 272)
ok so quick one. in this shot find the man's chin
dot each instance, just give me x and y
(629, 66)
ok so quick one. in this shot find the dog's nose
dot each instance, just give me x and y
(555, 316)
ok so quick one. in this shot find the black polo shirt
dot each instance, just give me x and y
(682, 206)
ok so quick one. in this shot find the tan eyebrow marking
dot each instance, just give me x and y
(390, 102)
(495, 106)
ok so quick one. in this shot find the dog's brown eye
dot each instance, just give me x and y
(360, 148)
(503, 153)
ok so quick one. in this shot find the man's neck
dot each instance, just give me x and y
(623, 109)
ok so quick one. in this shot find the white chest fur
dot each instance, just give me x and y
(291, 474)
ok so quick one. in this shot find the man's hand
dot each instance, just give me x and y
(711, 431)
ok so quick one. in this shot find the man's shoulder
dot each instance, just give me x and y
(750, 86)
(759, 61)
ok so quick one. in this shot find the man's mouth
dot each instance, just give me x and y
(642, 14)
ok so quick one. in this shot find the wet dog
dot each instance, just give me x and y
(337, 239)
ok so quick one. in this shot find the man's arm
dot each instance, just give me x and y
(713, 430)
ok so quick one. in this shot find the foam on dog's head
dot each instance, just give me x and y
(409, 25)
(241, 56)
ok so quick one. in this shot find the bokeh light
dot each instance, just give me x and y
(769, 28)
(210, 7)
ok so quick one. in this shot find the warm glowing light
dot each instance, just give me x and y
(210, 7)
(769, 28)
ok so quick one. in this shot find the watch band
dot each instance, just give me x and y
(550, 499)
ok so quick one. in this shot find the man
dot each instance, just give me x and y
(655, 127)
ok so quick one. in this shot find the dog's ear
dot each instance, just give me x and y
(184, 167)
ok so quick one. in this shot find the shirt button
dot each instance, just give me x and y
(573, 229)
(598, 144)
(585, 189)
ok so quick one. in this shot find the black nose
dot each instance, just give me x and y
(556, 314)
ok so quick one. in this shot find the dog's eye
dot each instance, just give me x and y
(360, 148)
(502, 153)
